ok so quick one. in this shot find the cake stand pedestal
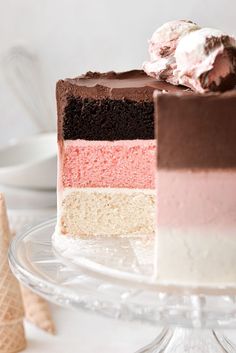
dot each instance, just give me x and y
(111, 276)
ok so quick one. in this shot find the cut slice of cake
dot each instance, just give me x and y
(196, 188)
(107, 153)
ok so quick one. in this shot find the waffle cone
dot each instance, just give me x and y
(37, 310)
(11, 306)
(12, 338)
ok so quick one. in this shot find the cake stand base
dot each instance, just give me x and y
(179, 340)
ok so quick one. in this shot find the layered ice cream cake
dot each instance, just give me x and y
(107, 153)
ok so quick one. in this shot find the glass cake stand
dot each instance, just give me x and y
(112, 276)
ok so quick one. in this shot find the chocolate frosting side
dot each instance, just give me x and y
(132, 85)
(196, 131)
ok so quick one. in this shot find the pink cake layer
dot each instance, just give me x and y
(118, 164)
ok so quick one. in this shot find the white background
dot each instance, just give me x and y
(73, 36)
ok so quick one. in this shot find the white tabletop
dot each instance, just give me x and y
(83, 332)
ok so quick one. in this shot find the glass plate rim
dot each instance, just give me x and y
(94, 269)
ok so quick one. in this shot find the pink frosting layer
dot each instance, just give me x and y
(200, 198)
(118, 164)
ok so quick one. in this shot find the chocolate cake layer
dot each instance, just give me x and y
(108, 119)
(196, 131)
(108, 106)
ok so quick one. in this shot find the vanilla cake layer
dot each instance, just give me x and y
(196, 234)
(106, 211)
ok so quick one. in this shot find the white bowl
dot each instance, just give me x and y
(30, 163)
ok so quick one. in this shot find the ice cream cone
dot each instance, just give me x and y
(37, 311)
(12, 337)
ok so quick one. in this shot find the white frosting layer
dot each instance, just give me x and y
(196, 255)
